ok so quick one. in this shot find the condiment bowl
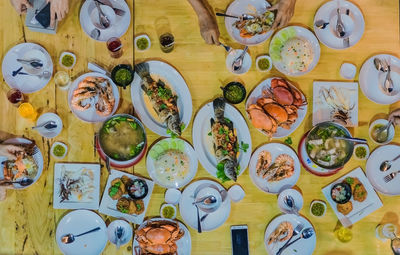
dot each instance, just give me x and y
(264, 57)
(70, 54)
(361, 146)
(142, 36)
(61, 144)
(318, 202)
(168, 205)
(381, 122)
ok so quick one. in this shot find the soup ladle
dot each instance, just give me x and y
(351, 139)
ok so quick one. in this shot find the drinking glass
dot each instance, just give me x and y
(167, 42)
(15, 97)
(62, 80)
(27, 111)
(114, 46)
(386, 231)
(344, 234)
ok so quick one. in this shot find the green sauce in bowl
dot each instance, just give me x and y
(234, 92)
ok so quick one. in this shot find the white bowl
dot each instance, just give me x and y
(236, 193)
(172, 196)
(366, 148)
(47, 117)
(67, 53)
(320, 202)
(142, 36)
(348, 71)
(264, 57)
(108, 11)
(297, 197)
(63, 145)
(127, 236)
(383, 122)
(235, 54)
(170, 205)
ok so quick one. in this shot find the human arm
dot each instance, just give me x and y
(395, 117)
(285, 11)
(20, 5)
(58, 8)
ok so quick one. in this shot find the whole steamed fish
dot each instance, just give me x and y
(162, 99)
(224, 140)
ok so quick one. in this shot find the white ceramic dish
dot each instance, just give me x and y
(172, 196)
(381, 122)
(258, 92)
(303, 247)
(117, 29)
(347, 98)
(127, 232)
(232, 56)
(176, 82)
(297, 197)
(26, 83)
(108, 12)
(37, 157)
(203, 143)
(142, 36)
(348, 71)
(61, 144)
(108, 205)
(318, 202)
(264, 57)
(275, 149)
(90, 115)
(70, 54)
(236, 193)
(168, 205)
(371, 80)
(239, 7)
(354, 24)
(360, 209)
(362, 146)
(80, 221)
(89, 200)
(48, 116)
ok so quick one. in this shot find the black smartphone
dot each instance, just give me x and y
(43, 16)
(240, 241)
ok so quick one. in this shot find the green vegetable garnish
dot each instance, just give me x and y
(349, 180)
(210, 134)
(288, 141)
(244, 146)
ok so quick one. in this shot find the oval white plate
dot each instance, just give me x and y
(189, 151)
(304, 34)
(117, 29)
(25, 83)
(275, 149)
(80, 221)
(38, 157)
(90, 114)
(176, 82)
(303, 247)
(327, 12)
(371, 79)
(203, 143)
(239, 7)
(280, 132)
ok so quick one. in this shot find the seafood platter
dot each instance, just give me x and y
(276, 107)
(126, 196)
(93, 97)
(352, 197)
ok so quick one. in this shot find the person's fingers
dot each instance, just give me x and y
(273, 8)
(14, 148)
(283, 22)
(27, 4)
(397, 121)
(276, 22)
(215, 37)
(52, 18)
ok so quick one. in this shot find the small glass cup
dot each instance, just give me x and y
(344, 234)
(15, 97)
(62, 80)
(167, 42)
(386, 231)
(27, 111)
(114, 46)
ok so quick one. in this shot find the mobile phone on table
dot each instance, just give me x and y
(240, 240)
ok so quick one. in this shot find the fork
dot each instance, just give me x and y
(35, 150)
(296, 231)
(390, 176)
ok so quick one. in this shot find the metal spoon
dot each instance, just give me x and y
(119, 231)
(351, 139)
(379, 65)
(305, 234)
(340, 31)
(208, 200)
(395, 245)
(44, 75)
(321, 24)
(23, 182)
(296, 231)
(227, 48)
(289, 202)
(69, 238)
(381, 134)
(198, 219)
(388, 84)
(117, 11)
(104, 21)
(387, 164)
(95, 34)
(238, 63)
(47, 125)
(35, 63)
(244, 16)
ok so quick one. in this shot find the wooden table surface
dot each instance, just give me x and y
(27, 218)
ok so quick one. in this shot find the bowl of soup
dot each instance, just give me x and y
(122, 139)
(324, 149)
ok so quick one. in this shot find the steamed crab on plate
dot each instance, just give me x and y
(277, 107)
(261, 24)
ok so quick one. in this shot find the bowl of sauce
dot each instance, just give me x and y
(318, 208)
(142, 42)
(264, 63)
(59, 150)
(234, 92)
(67, 60)
(122, 75)
(168, 211)
(381, 139)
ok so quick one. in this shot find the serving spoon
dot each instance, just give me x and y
(238, 63)
(23, 182)
(70, 238)
(305, 234)
(387, 164)
(321, 24)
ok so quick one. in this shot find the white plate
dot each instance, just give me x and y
(297, 199)
(375, 176)
(353, 22)
(90, 114)
(306, 35)
(189, 151)
(38, 158)
(25, 83)
(127, 234)
(257, 93)
(275, 149)
(77, 222)
(74, 203)
(371, 79)
(117, 29)
(108, 205)
(189, 213)
(360, 209)
(322, 111)
(184, 244)
(203, 143)
(301, 247)
(178, 85)
(239, 7)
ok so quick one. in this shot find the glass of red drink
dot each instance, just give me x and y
(114, 46)
(15, 97)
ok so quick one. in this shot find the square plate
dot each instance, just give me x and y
(346, 95)
(108, 205)
(89, 176)
(360, 209)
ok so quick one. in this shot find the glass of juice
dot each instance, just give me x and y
(15, 97)
(114, 46)
(344, 234)
(27, 111)
(62, 80)
(167, 42)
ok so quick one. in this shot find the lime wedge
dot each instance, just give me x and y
(153, 154)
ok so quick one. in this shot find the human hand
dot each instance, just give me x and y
(209, 28)
(285, 11)
(10, 151)
(20, 5)
(59, 8)
(395, 117)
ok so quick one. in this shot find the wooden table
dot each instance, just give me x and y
(28, 220)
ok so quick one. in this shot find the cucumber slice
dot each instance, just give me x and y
(275, 57)
(291, 32)
(153, 154)
(158, 149)
(165, 145)
(284, 35)
(174, 145)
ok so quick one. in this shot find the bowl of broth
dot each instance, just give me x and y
(122, 139)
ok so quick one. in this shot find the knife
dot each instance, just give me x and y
(117, 11)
